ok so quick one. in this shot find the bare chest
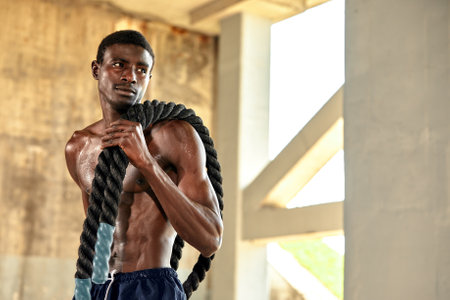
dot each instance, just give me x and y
(133, 182)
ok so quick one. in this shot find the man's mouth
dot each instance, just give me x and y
(125, 89)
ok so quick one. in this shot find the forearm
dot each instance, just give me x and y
(198, 224)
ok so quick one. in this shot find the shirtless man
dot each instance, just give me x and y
(166, 189)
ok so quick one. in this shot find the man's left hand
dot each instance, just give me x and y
(130, 137)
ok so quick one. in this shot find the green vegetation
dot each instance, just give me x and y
(322, 261)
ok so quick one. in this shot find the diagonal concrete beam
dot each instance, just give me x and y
(300, 160)
(272, 223)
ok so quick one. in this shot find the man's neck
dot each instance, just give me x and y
(110, 114)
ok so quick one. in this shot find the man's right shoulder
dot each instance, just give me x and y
(77, 141)
(81, 138)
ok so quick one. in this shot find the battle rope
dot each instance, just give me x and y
(98, 227)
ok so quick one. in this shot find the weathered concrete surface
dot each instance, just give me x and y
(47, 92)
(397, 150)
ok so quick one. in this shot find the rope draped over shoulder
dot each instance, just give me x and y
(107, 186)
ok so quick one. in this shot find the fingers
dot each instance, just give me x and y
(117, 129)
(114, 137)
(130, 137)
(119, 132)
(111, 143)
(123, 126)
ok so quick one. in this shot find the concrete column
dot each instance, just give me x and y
(397, 152)
(240, 268)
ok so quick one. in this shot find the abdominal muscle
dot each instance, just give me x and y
(143, 237)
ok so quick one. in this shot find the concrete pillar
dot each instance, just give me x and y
(240, 268)
(397, 151)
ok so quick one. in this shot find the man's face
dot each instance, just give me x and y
(123, 75)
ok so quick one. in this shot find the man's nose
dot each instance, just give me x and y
(129, 75)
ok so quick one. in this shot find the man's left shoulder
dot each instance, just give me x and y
(176, 131)
(179, 142)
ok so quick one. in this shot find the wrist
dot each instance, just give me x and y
(145, 161)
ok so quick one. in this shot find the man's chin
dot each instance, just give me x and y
(123, 106)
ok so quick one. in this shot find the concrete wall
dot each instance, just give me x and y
(397, 150)
(47, 92)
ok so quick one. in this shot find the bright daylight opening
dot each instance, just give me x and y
(307, 68)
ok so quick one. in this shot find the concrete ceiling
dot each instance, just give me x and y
(204, 15)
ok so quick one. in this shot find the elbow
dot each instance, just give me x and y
(213, 243)
(212, 247)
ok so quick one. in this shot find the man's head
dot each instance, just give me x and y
(123, 69)
(123, 37)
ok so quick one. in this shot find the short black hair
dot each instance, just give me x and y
(123, 37)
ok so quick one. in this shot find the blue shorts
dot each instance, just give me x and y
(151, 284)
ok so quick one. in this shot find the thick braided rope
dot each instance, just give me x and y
(107, 187)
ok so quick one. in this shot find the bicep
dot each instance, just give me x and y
(190, 162)
(198, 188)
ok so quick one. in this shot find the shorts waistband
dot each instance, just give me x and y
(148, 273)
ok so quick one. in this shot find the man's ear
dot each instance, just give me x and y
(95, 67)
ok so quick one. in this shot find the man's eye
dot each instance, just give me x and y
(117, 64)
(142, 70)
